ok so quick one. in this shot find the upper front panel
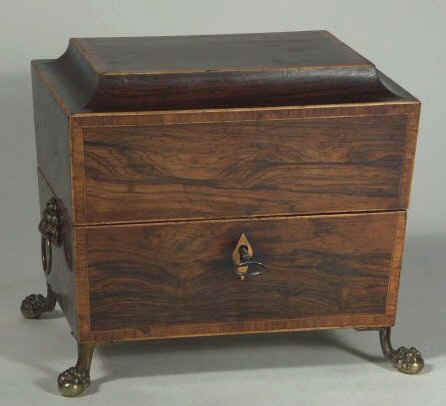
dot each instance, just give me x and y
(245, 168)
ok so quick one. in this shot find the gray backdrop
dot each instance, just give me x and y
(406, 39)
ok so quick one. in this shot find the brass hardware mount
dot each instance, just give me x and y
(406, 360)
(50, 227)
(245, 264)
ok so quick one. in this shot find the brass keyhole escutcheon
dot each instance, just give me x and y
(245, 264)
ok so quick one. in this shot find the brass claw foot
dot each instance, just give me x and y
(76, 380)
(33, 306)
(406, 360)
(73, 382)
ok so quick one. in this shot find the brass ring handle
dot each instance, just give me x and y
(47, 254)
(245, 264)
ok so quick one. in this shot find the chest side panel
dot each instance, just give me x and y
(62, 277)
(52, 138)
(248, 168)
(177, 279)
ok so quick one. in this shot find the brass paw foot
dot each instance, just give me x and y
(76, 380)
(33, 306)
(406, 360)
(73, 382)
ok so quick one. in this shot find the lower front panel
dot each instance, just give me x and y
(177, 279)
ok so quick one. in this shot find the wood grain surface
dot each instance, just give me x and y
(52, 134)
(204, 53)
(239, 70)
(250, 168)
(178, 278)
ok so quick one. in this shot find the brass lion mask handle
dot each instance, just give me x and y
(245, 264)
(50, 227)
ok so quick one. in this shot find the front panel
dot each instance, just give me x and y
(172, 279)
(244, 169)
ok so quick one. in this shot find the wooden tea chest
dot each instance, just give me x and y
(228, 184)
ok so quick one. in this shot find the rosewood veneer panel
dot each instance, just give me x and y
(336, 268)
(247, 168)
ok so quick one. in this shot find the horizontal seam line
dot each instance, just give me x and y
(239, 218)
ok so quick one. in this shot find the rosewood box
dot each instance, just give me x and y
(228, 184)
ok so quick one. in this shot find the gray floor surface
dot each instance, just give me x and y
(312, 368)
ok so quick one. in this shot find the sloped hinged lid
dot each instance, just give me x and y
(243, 70)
